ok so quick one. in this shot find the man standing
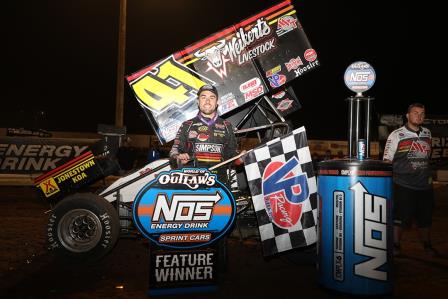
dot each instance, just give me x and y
(408, 149)
(206, 139)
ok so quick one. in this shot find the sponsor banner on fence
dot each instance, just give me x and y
(22, 155)
(244, 61)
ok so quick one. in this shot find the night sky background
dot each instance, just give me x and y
(59, 67)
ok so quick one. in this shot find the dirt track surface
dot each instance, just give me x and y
(27, 270)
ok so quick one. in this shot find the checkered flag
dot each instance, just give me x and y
(283, 188)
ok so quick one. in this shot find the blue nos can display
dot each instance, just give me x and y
(185, 208)
(355, 228)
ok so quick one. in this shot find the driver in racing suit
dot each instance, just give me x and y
(206, 139)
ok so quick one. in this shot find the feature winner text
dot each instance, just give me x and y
(183, 267)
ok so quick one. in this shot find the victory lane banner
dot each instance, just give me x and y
(244, 61)
(181, 271)
(184, 213)
(284, 192)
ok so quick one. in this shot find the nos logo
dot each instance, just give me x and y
(180, 210)
(284, 190)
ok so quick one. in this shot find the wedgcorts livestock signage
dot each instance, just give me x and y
(244, 62)
(185, 208)
(35, 155)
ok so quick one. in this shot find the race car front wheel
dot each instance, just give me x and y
(83, 227)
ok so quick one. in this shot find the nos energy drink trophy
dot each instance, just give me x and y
(355, 200)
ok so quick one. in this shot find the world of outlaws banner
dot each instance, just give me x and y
(244, 62)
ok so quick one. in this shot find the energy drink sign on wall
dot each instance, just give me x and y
(244, 62)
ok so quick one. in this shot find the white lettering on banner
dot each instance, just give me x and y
(183, 267)
(185, 207)
(370, 234)
(258, 50)
(302, 70)
(208, 148)
(192, 181)
(243, 39)
(35, 157)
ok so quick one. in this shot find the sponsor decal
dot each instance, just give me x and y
(216, 61)
(220, 126)
(273, 71)
(75, 172)
(370, 233)
(252, 89)
(203, 129)
(359, 76)
(208, 147)
(256, 51)
(293, 63)
(279, 95)
(192, 134)
(169, 131)
(227, 103)
(250, 84)
(145, 170)
(310, 55)
(301, 70)
(419, 152)
(277, 80)
(286, 24)
(49, 187)
(202, 137)
(185, 208)
(254, 93)
(236, 47)
(284, 190)
(285, 104)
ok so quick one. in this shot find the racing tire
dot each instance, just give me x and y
(83, 227)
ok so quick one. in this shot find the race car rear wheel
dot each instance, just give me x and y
(83, 227)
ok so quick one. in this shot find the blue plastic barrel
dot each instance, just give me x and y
(355, 226)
